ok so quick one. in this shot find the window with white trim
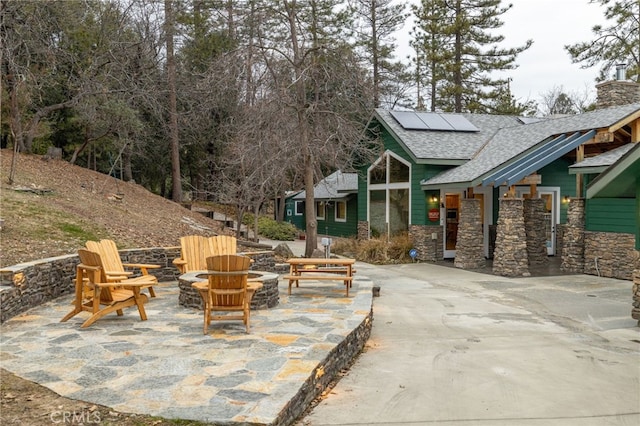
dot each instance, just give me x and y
(320, 209)
(389, 190)
(341, 211)
(299, 208)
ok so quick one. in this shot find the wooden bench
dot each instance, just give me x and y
(296, 278)
(320, 269)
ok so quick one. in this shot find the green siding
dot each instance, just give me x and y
(557, 174)
(297, 220)
(612, 215)
(638, 213)
(420, 200)
(329, 226)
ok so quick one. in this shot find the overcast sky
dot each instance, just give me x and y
(551, 24)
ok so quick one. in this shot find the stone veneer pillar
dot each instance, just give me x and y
(535, 227)
(363, 230)
(470, 241)
(429, 249)
(635, 310)
(510, 255)
(573, 238)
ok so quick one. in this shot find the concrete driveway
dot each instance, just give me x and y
(454, 347)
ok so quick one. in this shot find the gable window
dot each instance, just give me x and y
(389, 190)
(341, 211)
(299, 208)
(320, 208)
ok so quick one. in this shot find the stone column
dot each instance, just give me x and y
(429, 249)
(469, 246)
(363, 230)
(635, 310)
(573, 238)
(535, 227)
(510, 256)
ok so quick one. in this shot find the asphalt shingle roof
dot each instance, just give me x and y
(446, 145)
(605, 159)
(335, 186)
(511, 142)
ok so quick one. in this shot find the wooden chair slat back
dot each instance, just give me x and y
(223, 244)
(233, 288)
(193, 252)
(110, 256)
(91, 258)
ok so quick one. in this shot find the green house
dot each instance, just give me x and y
(336, 204)
(472, 187)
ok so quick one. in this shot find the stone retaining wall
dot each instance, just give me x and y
(338, 359)
(27, 285)
(609, 254)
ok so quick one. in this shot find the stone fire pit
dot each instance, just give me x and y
(267, 297)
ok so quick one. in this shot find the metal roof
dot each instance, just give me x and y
(550, 151)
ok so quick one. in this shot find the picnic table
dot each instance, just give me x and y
(320, 269)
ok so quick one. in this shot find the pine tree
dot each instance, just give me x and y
(465, 52)
(378, 21)
(615, 44)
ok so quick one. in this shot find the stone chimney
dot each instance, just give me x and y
(618, 91)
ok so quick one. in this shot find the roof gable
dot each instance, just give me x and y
(514, 143)
(335, 186)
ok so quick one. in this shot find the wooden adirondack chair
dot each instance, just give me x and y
(222, 244)
(227, 289)
(96, 294)
(114, 268)
(193, 254)
(195, 249)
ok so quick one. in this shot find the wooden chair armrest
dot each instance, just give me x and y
(141, 265)
(122, 274)
(88, 268)
(179, 261)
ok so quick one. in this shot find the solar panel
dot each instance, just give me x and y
(434, 121)
(409, 120)
(459, 123)
(529, 120)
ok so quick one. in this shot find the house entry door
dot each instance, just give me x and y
(551, 218)
(551, 197)
(450, 217)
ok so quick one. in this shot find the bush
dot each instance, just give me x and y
(375, 250)
(280, 231)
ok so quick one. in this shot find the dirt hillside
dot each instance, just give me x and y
(52, 208)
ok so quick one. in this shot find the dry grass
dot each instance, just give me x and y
(380, 250)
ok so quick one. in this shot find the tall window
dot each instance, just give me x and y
(341, 211)
(299, 208)
(389, 182)
(320, 209)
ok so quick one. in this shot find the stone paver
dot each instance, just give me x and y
(166, 367)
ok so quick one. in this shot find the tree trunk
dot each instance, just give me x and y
(311, 242)
(127, 174)
(176, 187)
